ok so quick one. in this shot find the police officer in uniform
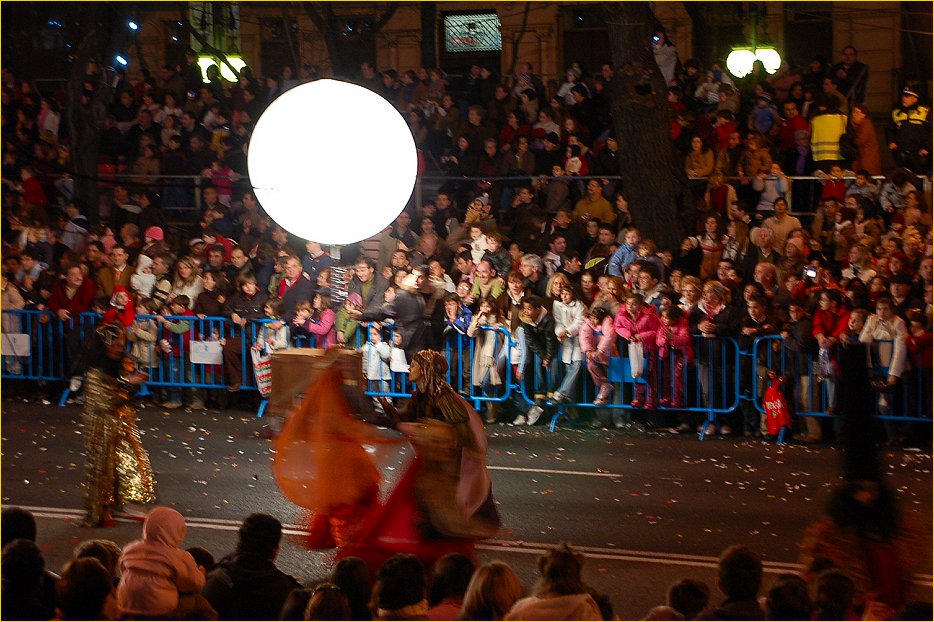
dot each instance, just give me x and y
(909, 133)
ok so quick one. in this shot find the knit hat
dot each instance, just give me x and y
(483, 199)
(355, 299)
(155, 233)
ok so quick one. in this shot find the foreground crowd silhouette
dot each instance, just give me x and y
(154, 578)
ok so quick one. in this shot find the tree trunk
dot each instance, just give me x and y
(429, 15)
(700, 29)
(84, 119)
(652, 170)
(344, 54)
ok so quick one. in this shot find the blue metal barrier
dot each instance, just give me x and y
(914, 385)
(33, 345)
(715, 392)
(712, 385)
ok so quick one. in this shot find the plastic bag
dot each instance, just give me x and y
(262, 368)
(636, 358)
(776, 408)
(826, 365)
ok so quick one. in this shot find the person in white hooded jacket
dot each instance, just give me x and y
(155, 572)
(143, 280)
(887, 334)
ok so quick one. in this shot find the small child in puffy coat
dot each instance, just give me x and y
(637, 323)
(675, 348)
(155, 572)
(598, 348)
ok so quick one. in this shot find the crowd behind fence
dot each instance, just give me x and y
(35, 343)
(191, 186)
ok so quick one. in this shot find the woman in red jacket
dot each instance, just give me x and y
(830, 323)
(69, 299)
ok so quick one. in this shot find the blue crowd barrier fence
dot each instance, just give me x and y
(811, 395)
(492, 366)
(710, 384)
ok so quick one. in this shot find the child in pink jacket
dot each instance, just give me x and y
(598, 349)
(636, 322)
(675, 346)
(154, 570)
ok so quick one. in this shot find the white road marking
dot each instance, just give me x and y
(519, 547)
(554, 471)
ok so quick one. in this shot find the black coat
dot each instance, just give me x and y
(247, 587)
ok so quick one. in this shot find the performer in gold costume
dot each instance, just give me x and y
(117, 470)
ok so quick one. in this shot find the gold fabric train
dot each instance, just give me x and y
(117, 468)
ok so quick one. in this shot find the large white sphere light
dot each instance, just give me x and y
(332, 162)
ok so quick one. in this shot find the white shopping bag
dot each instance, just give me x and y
(397, 362)
(15, 344)
(206, 352)
(636, 358)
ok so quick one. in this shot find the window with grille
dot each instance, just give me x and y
(475, 32)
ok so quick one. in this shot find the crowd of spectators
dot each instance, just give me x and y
(154, 578)
(531, 232)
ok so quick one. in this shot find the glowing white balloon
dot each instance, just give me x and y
(332, 162)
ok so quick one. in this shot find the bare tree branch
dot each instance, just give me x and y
(287, 23)
(393, 7)
(210, 49)
(522, 30)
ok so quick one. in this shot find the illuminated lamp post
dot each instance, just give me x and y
(740, 60)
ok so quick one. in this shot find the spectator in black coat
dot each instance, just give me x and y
(246, 585)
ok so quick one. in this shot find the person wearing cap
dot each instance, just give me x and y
(551, 155)
(583, 109)
(902, 299)
(154, 242)
(763, 118)
(909, 132)
(573, 78)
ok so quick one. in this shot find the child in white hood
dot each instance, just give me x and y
(143, 280)
(155, 572)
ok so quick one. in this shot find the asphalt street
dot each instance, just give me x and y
(645, 508)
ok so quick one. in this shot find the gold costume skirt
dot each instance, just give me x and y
(117, 468)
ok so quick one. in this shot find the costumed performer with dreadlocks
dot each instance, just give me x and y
(117, 468)
(450, 444)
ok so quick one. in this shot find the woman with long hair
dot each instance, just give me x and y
(187, 280)
(560, 593)
(711, 243)
(494, 588)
